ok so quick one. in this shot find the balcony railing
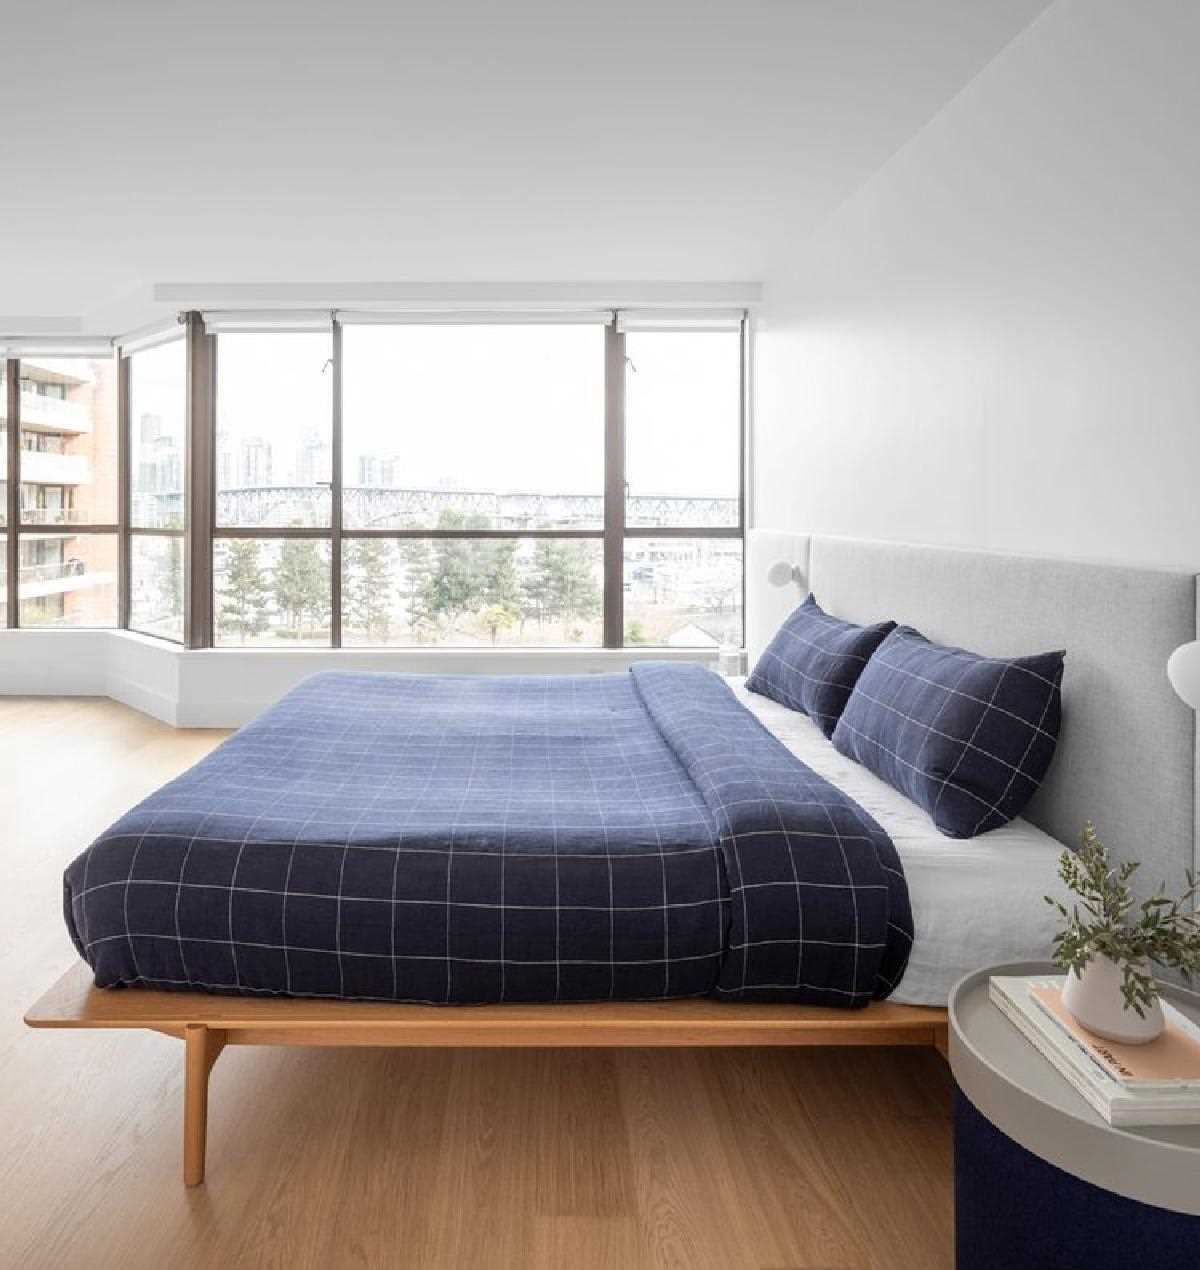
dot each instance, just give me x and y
(51, 571)
(50, 414)
(56, 516)
(42, 467)
(62, 577)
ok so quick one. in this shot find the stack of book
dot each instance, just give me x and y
(1153, 1084)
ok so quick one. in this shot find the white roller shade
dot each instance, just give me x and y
(245, 321)
(55, 346)
(679, 319)
(471, 317)
(150, 336)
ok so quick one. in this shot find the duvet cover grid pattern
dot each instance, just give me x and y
(458, 839)
(819, 898)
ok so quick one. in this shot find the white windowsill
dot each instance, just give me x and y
(226, 687)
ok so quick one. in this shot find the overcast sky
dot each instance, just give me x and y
(494, 407)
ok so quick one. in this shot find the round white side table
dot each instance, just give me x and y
(1040, 1178)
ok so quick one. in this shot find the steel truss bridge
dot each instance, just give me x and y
(367, 507)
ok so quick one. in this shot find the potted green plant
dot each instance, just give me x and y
(1107, 951)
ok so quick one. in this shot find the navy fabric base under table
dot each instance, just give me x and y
(1014, 1211)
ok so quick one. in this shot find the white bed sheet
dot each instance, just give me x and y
(975, 903)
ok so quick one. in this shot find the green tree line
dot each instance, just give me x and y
(442, 585)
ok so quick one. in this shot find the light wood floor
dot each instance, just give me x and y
(332, 1158)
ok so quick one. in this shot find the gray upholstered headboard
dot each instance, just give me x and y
(1127, 754)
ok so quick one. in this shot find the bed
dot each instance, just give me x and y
(614, 859)
(467, 839)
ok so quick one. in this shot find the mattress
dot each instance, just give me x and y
(975, 902)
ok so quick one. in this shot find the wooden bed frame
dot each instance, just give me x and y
(206, 1024)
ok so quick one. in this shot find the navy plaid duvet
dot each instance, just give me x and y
(476, 839)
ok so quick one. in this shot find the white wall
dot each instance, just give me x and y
(996, 341)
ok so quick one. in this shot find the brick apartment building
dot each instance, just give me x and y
(68, 415)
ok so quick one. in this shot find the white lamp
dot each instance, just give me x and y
(1183, 670)
(781, 573)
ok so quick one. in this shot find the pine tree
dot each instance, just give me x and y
(302, 584)
(244, 595)
(451, 588)
(457, 582)
(499, 587)
(367, 588)
(497, 569)
(170, 576)
(417, 562)
(574, 588)
(561, 585)
(535, 586)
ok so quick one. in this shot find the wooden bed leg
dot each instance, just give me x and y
(201, 1048)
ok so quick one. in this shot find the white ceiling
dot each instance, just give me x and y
(283, 140)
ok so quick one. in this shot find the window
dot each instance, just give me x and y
(156, 585)
(683, 466)
(498, 591)
(4, 448)
(157, 436)
(61, 564)
(158, 464)
(273, 591)
(683, 592)
(273, 460)
(473, 468)
(67, 579)
(354, 480)
(274, 442)
(488, 427)
(68, 442)
(471, 484)
(682, 441)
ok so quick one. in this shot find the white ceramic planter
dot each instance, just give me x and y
(1096, 1002)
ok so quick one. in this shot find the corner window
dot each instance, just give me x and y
(365, 480)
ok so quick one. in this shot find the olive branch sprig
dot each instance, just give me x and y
(1166, 930)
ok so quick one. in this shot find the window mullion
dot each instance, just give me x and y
(335, 480)
(198, 503)
(13, 509)
(614, 486)
(745, 472)
(123, 488)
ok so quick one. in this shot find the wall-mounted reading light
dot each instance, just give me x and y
(781, 573)
(1183, 670)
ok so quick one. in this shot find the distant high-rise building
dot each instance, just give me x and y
(377, 470)
(256, 461)
(226, 468)
(313, 465)
(168, 466)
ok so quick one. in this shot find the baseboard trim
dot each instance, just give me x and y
(157, 705)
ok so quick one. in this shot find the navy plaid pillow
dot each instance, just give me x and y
(814, 661)
(968, 738)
